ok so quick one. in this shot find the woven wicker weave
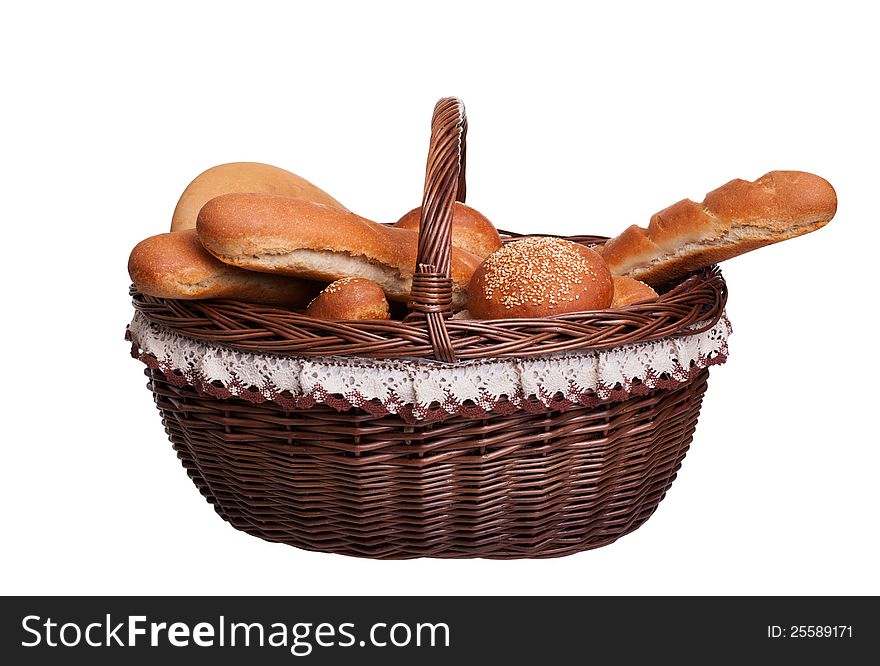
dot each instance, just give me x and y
(531, 483)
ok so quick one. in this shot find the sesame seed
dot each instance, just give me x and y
(333, 287)
(535, 271)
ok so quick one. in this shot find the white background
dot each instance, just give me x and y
(581, 120)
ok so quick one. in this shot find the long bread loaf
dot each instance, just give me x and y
(275, 234)
(243, 177)
(175, 265)
(737, 217)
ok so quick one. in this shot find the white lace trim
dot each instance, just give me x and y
(419, 389)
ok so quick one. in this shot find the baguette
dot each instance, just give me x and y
(736, 218)
(175, 265)
(276, 234)
(471, 230)
(243, 177)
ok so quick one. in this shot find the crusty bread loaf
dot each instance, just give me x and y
(349, 299)
(471, 230)
(175, 265)
(628, 291)
(539, 277)
(737, 217)
(243, 177)
(275, 234)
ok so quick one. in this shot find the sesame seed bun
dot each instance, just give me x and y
(539, 277)
(350, 298)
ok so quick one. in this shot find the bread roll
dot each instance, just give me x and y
(350, 298)
(471, 230)
(243, 177)
(275, 234)
(628, 291)
(539, 277)
(175, 265)
(737, 217)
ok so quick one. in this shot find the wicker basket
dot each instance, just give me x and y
(535, 481)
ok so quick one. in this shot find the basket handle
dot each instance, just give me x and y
(431, 294)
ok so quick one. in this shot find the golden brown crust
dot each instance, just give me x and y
(175, 265)
(350, 299)
(629, 292)
(269, 233)
(674, 267)
(776, 201)
(243, 177)
(628, 250)
(539, 277)
(684, 222)
(737, 217)
(471, 230)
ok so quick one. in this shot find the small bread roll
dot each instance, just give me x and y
(243, 177)
(539, 277)
(471, 230)
(628, 291)
(350, 298)
(175, 265)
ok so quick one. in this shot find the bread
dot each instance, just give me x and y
(350, 298)
(275, 234)
(243, 177)
(628, 291)
(539, 277)
(629, 251)
(175, 265)
(737, 217)
(471, 230)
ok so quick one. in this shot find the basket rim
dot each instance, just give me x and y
(699, 299)
(420, 389)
